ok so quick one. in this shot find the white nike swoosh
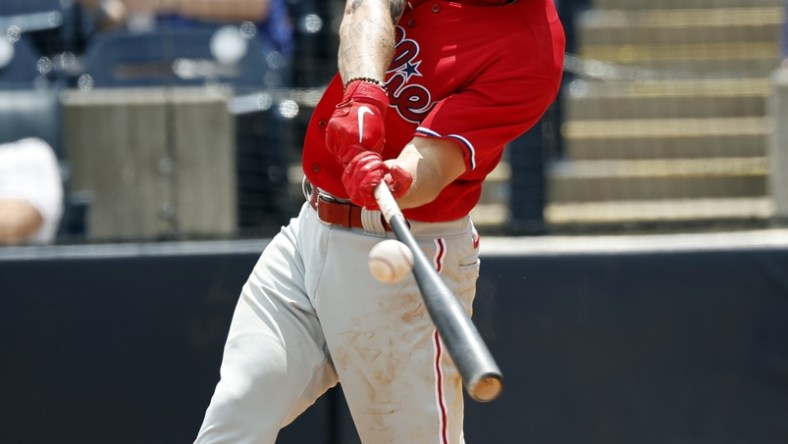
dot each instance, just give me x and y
(361, 111)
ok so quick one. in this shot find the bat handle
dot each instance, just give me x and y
(386, 202)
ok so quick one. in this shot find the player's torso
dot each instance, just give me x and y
(442, 48)
(430, 63)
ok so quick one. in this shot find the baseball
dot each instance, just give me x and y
(390, 261)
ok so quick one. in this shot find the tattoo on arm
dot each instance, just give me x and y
(367, 37)
(396, 6)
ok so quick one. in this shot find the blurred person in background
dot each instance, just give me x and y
(144, 33)
(270, 16)
(31, 193)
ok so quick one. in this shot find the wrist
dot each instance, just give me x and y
(367, 91)
(351, 153)
(371, 80)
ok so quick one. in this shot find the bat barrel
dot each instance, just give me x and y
(482, 377)
(480, 374)
(486, 388)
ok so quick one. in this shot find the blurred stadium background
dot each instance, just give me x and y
(672, 122)
(663, 124)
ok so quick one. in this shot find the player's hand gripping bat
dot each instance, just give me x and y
(480, 374)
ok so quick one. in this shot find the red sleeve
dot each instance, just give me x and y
(486, 117)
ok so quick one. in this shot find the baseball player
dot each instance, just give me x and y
(427, 95)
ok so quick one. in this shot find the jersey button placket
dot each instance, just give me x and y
(436, 8)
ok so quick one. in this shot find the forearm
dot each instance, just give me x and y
(434, 164)
(366, 38)
(224, 11)
(206, 10)
(18, 221)
(107, 13)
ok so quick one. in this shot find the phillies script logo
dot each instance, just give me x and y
(412, 101)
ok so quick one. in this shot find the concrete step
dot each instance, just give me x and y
(630, 5)
(675, 98)
(599, 27)
(493, 218)
(645, 106)
(496, 187)
(626, 180)
(645, 70)
(677, 61)
(673, 210)
(687, 68)
(709, 146)
(666, 138)
(490, 216)
(622, 52)
(691, 87)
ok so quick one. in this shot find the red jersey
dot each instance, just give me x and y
(478, 75)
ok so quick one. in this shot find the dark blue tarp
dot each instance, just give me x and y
(632, 347)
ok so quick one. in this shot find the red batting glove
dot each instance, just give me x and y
(357, 123)
(366, 171)
(399, 181)
(362, 174)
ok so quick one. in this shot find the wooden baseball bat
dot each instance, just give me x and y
(480, 374)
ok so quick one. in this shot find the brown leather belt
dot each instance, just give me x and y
(334, 212)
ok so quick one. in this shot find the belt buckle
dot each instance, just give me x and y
(326, 198)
